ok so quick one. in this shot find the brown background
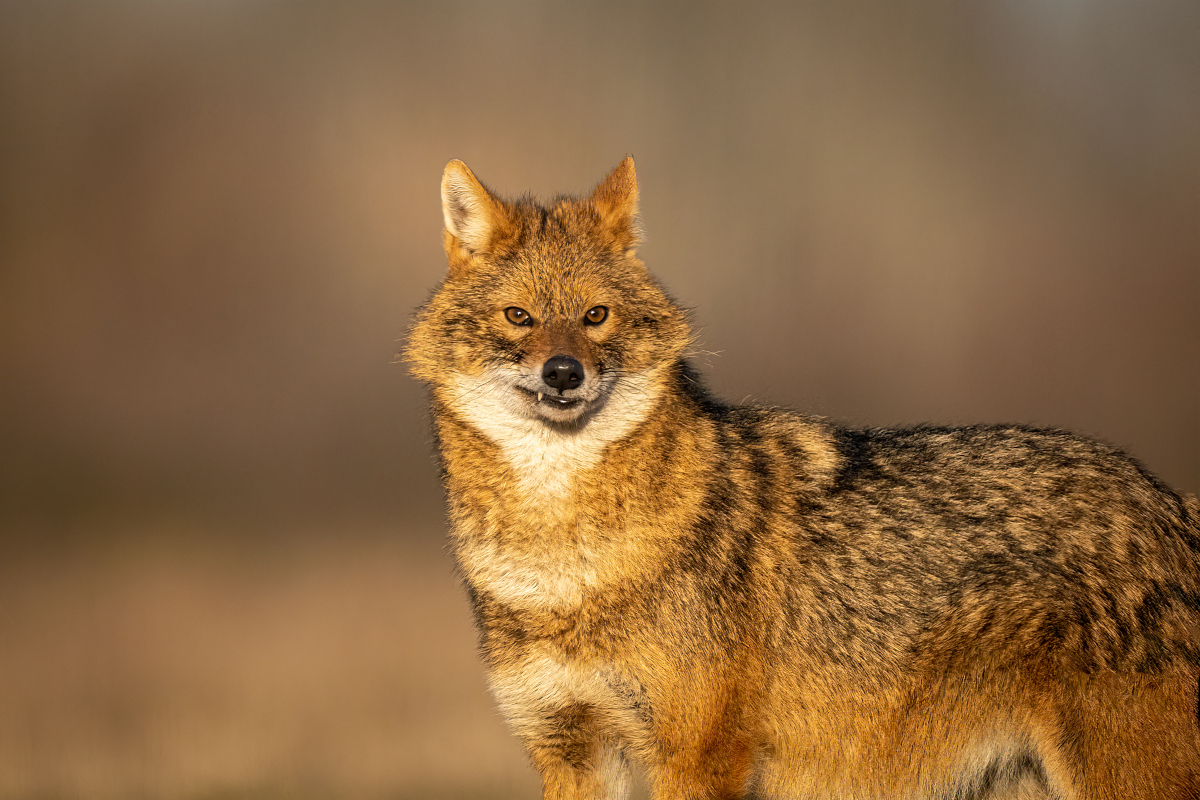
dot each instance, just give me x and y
(220, 565)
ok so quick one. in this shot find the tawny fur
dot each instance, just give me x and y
(747, 601)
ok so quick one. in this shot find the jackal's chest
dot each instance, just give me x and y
(543, 560)
(550, 664)
(535, 547)
(522, 573)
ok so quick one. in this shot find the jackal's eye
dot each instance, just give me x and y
(596, 315)
(517, 316)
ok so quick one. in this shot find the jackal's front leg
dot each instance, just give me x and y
(576, 762)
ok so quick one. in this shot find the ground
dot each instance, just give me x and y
(167, 660)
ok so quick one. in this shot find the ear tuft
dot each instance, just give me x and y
(470, 211)
(616, 199)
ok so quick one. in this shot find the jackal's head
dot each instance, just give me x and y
(546, 315)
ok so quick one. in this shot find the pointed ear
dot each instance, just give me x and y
(616, 198)
(472, 214)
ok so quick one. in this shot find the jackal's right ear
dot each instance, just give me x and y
(472, 214)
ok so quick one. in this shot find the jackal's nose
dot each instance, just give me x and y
(562, 372)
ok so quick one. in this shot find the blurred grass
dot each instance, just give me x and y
(173, 661)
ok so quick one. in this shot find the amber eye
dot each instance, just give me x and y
(518, 316)
(596, 315)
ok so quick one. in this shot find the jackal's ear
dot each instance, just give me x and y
(471, 212)
(616, 198)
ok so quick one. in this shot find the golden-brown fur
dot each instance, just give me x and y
(748, 601)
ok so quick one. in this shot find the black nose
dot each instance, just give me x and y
(562, 372)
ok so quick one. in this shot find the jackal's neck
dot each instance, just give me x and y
(550, 543)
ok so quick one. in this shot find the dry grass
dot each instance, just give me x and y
(167, 666)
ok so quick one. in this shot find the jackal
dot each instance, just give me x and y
(747, 601)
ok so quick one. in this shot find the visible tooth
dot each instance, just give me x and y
(539, 397)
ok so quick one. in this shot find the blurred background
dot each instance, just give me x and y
(221, 561)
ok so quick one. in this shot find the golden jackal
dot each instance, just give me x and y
(748, 601)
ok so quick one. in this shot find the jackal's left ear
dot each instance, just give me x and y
(472, 214)
(616, 199)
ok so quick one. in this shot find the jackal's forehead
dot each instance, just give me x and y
(553, 273)
(563, 282)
